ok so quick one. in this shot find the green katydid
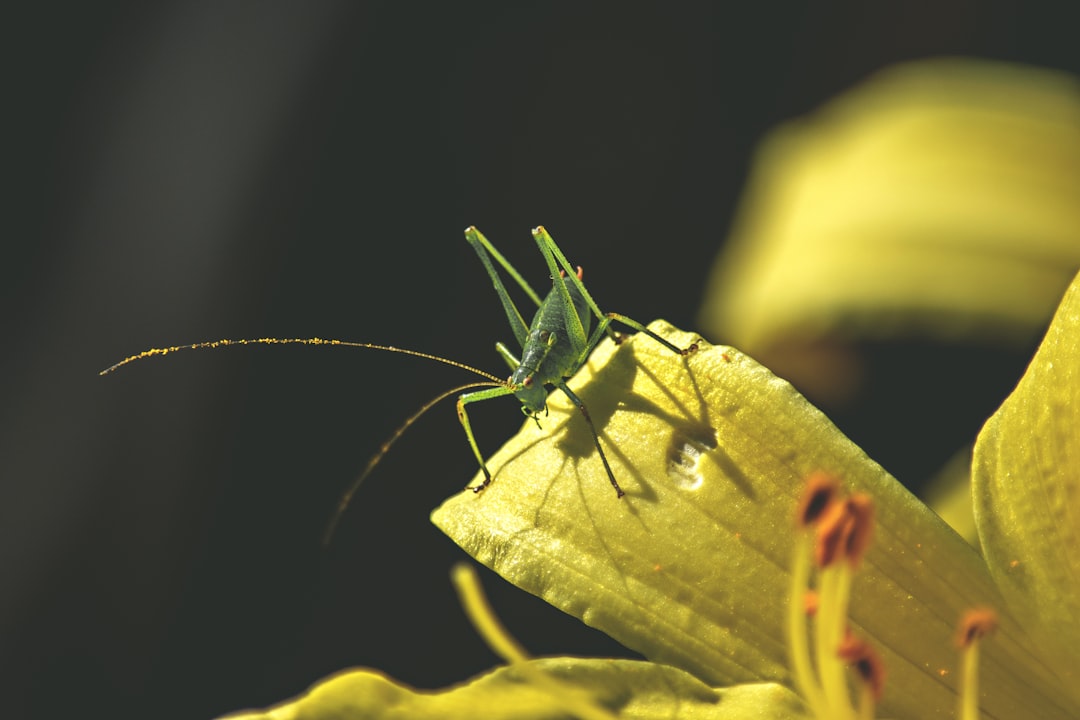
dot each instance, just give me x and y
(553, 348)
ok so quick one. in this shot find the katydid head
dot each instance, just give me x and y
(531, 394)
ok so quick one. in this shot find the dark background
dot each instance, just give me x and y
(196, 170)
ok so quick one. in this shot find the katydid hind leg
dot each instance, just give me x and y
(630, 322)
(554, 258)
(474, 235)
(602, 327)
(548, 245)
(506, 354)
(485, 251)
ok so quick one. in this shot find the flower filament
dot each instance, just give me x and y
(836, 531)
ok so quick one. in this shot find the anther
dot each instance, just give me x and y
(833, 528)
(975, 623)
(861, 508)
(821, 490)
(844, 531)
(866, 663)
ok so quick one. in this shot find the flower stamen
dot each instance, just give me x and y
(837, 532)
(869, 670)
(974, 625)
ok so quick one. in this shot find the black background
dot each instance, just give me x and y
(188, 171)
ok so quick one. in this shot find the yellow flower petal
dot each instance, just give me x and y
(1026, 484)
(633, 689)
(691, 567)
(949, 495)
(939, 198)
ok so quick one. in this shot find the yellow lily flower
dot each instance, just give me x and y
(701, 566)
(693, 567)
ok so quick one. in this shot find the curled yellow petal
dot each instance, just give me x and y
(938, 198)
(1026, 485)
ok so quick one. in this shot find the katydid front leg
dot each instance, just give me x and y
(463, 417)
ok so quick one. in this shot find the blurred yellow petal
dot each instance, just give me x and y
(938, 199)
(691, 567)
(632, 689)
(1026, 483)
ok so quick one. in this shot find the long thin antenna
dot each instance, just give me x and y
(213, 344)
(490, 381)
(385, 448)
